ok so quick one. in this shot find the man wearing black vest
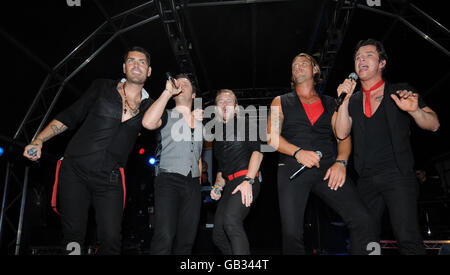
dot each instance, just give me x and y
(379, 118)
(300, 124)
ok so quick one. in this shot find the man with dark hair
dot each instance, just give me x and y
(378, 46)
(177, 184)
(379, 118)
(137, 49)
(300, 127)
(110, 114)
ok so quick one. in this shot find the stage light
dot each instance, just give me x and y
(152, 161)
(141, 151)
(1, 151)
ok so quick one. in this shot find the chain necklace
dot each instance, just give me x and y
(134, 111)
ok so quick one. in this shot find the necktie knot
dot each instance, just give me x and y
(367, 106)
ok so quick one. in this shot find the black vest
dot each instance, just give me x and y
(297, 128)
(398, 124)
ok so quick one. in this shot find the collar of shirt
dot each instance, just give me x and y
(144, 94)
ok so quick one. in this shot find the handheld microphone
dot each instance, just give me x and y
(169, 77)
(352, 76)
(32, 152)
(304, 166)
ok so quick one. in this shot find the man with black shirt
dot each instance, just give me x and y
(177, 184)
(300, 124)
(379, 118)
(110, 114)
(238, 152)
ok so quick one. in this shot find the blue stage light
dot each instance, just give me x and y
(152, 161)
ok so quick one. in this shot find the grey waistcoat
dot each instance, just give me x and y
(181, 148)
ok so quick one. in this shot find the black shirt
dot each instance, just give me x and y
(379, 155)
(234, 145)
(102, 134)
(398, 125)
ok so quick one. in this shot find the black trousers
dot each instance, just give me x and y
(399, 193)
(79, 187)
(229, 233)
(293, 197)
(177, 214)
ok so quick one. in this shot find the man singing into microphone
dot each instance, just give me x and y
(379, 118)
(177, 184)
(299, 126)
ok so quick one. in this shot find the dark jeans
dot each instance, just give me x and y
(293, 197)
(399, 193)
(78, 188)
(228, 233)
(177, 214)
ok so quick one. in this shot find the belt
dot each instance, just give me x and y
(239, 174)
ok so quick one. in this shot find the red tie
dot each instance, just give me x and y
(368, 109)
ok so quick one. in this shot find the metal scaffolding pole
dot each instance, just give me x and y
(337, 28)
(174, 28)
(413, 27)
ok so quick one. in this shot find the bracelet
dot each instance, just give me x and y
(298, 150)
(343, 162)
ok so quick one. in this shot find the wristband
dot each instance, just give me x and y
(298, 150)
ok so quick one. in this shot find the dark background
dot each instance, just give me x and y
(240, 46)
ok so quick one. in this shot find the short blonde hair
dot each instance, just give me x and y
(226, 91)
(230, 92)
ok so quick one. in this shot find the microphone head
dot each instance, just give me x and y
(32, 152)
(353, 76)
(319, 154)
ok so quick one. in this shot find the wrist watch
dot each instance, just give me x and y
(251, 181)
(343, 162)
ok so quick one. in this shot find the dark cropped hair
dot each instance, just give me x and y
(137, 49)
(184, 75)
(380, 48)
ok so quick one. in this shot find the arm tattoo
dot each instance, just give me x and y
(276, 119)
(279, 122)
(56, 130)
